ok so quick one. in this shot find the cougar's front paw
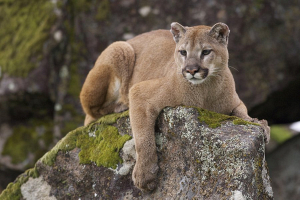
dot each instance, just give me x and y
(144, 176)
(264, 124)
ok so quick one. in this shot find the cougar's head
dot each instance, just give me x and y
(201, 51)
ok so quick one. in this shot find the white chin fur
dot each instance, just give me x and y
(194, 79)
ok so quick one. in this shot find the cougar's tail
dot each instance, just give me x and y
(108, 80)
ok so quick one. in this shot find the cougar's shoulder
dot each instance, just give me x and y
(154, 53)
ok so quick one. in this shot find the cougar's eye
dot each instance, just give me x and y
(206, 52)
(183, 52)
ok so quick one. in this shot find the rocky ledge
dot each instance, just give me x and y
(202, 155)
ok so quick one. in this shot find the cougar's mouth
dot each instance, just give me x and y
(197, 77)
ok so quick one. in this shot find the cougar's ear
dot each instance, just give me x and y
(220, 31)
(177, 30)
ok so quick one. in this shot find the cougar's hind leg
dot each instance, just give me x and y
(122, 65)
(125, 60)
(106, 87)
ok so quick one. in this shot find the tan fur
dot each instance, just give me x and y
(146, 75)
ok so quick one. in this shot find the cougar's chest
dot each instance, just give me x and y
(207, 97)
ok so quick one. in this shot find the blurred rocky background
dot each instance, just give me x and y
(47, 47)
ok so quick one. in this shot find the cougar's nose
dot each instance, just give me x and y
(192, 69)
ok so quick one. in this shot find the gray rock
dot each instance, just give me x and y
(195, 160)
(36, 188)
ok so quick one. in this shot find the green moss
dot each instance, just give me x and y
(280, 133)
(214, 120)
(239, 121)
(112, 118)
(13, 190)
(25, 140)
(32, 172)
(103, 148)
(99, 142)
(25, 26)
(66, 144)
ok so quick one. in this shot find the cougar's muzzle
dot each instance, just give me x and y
(195, 73)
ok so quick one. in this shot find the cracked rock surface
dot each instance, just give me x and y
(196, 162)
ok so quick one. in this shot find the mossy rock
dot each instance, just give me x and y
(99, 142)
(13, 190)
(214, 120)
(25, 26)
(226, 155)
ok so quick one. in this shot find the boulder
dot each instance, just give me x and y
(202, 155)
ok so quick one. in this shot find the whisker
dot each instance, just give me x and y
(233, 68)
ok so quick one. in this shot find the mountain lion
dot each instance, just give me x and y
(150, 72)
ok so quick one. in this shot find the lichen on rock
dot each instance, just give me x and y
(196, 161)
(36, 188)
(128, 156)
(220, 159)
